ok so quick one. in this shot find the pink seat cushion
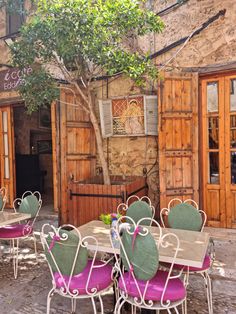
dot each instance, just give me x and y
(206, 265)
(101, 278)
(15, 231)
(175, 289)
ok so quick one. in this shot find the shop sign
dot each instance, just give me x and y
(12, 78)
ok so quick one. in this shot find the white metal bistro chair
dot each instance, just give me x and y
(29, 203)
(3, 198)
(187, 216)
(74, 275)
(137, 208)
(141, 283)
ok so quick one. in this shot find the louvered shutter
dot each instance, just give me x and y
(105, 109)
(150, 114)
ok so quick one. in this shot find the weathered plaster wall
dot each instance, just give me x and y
(215, 44)
(3, 48)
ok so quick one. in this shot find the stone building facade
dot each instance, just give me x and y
(208, 34)
(213, 45)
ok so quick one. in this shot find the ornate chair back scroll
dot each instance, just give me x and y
(74, 275)
(141, 283)
(138, 208)
(187, 216)
(29, 203)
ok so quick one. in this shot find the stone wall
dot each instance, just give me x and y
(214, 45)
(129, 155)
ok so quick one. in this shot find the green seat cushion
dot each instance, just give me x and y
(138, 210)
(1, 202)
(185, 216)
(64, 252)
(29, 205)
(144, 257)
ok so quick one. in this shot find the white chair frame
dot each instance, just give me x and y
(66, 292)
(14, 242)
(3, 192)
(207, 280)
(123, 207)
(140, 302)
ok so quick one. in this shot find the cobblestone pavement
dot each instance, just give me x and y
(27, 294)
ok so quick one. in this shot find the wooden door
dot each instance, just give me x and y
(7, 153)
(76, 158)
(219, 149)
(230, 150)
(178, 137)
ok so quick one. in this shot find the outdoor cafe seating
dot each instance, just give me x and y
(134, 268)
(186, 215)
(25, 208)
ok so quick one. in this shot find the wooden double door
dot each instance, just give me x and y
(218, 133)
(197, 143)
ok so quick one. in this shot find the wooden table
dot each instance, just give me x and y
(193, 245)
(7, 218)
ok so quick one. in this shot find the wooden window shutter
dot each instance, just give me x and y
(150, 114)
(105, 109)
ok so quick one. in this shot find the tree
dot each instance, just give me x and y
(84, 38)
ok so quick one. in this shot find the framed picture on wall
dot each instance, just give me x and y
(44, 147)
(44, 118)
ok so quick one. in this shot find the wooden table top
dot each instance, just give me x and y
(7, 218)
(193, 245)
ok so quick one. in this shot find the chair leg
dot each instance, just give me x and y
(94, 305)
(176, 310)
(73, 305)
(35, 248)
(101, 304)
(119, 303)
(207, 280)
(15, 252)
(49, 297)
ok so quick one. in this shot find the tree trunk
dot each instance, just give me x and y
(88, 99)
(94, 121)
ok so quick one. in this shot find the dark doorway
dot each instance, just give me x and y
(33, 153)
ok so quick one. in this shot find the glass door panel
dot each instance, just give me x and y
(212, 100)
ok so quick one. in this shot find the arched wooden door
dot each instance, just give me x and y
(219, 149)
(178, 137)
(7, 153)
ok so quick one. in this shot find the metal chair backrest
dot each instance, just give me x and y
(183, 215)
(29, 203)
(139, 255)
(3, 198)
(67, 256)
(137, 208)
